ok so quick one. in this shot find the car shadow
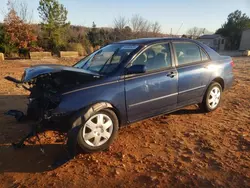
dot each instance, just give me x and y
(30, 159)
(187, 111)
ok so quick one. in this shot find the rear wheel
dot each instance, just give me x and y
(212, 97)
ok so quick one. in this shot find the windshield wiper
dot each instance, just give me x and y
(109, 60)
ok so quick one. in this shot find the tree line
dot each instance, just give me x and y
(19, 36)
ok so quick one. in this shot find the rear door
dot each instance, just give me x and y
(191, 62)
(155, 91)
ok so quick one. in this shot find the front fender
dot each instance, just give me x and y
(112, 93)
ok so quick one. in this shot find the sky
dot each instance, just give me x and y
(209, 14)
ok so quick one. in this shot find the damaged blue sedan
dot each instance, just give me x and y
(121, 83)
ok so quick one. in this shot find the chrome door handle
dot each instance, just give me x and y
(171, 74)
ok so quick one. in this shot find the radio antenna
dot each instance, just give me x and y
(179, 28)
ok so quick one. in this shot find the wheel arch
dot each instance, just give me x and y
(106, 105)
(220, 81)
(95, 107)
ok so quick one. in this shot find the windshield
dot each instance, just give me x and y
(107, 58)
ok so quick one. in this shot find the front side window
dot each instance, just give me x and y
(187, 52)
(107, 58)
(155, 57)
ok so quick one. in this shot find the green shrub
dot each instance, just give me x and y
(2, 49)
(87, 46)
(77, 47)
(9, 50)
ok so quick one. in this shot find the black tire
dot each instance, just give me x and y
(72, 146)
(76, 142)
(205, 104)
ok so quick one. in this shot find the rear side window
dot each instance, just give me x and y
(204, 56)
(187, 52)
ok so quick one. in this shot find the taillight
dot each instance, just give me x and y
(232, 63)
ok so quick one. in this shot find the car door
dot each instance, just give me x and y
(154, 91)
(191, 63)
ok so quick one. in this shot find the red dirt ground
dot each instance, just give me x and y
(186, 148)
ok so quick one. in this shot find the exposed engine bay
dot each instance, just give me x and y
(46, 83)
(45, 90)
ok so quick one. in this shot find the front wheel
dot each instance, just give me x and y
(212, 97)
(96, 132)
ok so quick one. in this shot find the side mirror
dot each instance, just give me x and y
(136, 69)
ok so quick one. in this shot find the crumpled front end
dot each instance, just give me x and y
(45, 84)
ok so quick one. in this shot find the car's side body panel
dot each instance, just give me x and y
(228, 74)
(105, 90)
(190, 85)
(150, 94)
(192, 77)
(221, 70)
(147, 95)
(220, 66)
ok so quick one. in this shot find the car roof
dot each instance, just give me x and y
(146, 41)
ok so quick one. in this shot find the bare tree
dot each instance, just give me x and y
(120, 22)
(21, 8)
(156, 28)
(143, 27)
(196, 32)
(137, 23)
(24, 13)
(146, 27)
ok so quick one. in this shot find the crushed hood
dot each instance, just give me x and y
(38, 70)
